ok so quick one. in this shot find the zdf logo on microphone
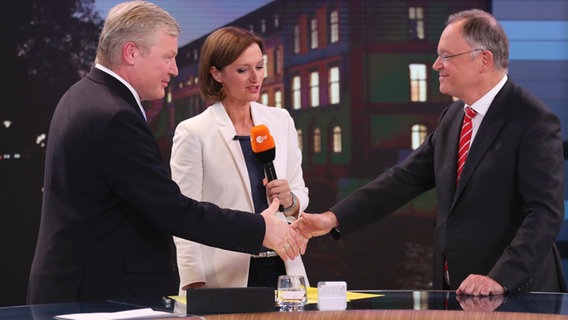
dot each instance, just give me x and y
(261, 139)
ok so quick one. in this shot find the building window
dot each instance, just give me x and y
(278, 99)
(334, 85)
(300, 139)
(317, 140)
(276, 21)
(265, 64)
(264, 99)
(296, 39)
(296, 93)
(278, 61)
(314, 89)
(334, 26)
(337, 146)
(263, 26)
(418, 134)
(417, 82)
(416, 21)
(314, 33)
(195, 55)
(251, 28)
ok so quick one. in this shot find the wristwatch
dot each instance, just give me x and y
(293, 203)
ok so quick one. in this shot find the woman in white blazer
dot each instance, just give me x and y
(212, 161)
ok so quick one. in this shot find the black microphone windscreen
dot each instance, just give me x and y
(266, 156)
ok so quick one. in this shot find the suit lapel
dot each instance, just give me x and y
(446, 139)
(491, 126)
(227, 132)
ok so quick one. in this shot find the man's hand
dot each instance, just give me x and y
(279, 236)
(312, 225)
(478, 285)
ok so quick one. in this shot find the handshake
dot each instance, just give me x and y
(289, 241)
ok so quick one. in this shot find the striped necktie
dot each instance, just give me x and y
(465, 140)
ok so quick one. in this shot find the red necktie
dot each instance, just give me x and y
(465, 139)
(446, 274)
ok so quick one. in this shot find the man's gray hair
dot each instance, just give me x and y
(482, 31)
(136, 21)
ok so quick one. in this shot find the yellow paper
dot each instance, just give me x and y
(180, 299)
(312, 294)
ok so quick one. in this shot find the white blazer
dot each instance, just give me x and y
(209, 165)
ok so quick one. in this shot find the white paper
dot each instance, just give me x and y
(129, 314)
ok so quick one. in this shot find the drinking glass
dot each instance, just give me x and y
(291, 293)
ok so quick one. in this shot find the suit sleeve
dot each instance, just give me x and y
(390, 190)
(394, 187)
(540, 181)
(135, 170)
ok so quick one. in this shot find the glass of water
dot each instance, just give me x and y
(291, 293)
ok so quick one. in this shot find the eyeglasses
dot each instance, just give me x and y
(446, 58)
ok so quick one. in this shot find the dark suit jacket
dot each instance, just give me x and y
(110, 208)
(503, 218)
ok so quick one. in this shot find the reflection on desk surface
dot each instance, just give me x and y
(388, 305)
(542, 303)
(389, 315)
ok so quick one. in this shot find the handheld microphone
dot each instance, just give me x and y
(263, 147)
(262, 144)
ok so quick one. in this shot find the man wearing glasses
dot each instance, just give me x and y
(496, 161)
